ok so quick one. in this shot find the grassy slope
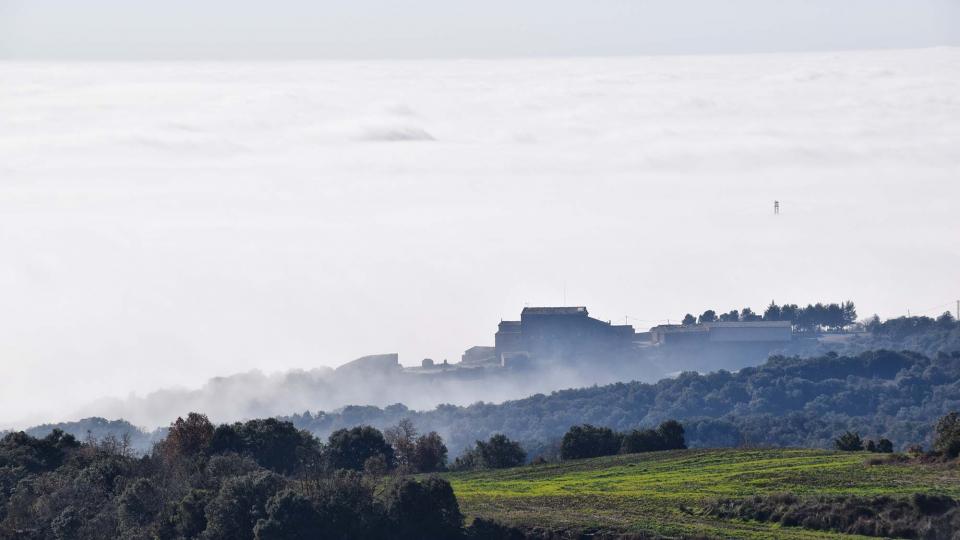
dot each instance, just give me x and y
(663, 492)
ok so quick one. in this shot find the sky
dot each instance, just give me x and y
(164, 222)
(287, 29)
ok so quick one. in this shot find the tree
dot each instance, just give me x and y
(586, 441)
(426, 509)
(689, 320)
(188, 437)
(708, 316)
(639, 441)
(946, 320)
(791, 313)
(884, 446)
(671, 433)
(375, 466)
(948, 435)
(350, 448)
(497, 453)
(239, 504)
(731, 316)
(501, 453)
(849, 313)
(188, 519)
(668, 436)
(347, 508)
(430, 454)
(290, 516)
(834, 317)
(139, 504)
(747, 315)
(871, 446)
(403, 438)
(275, 444)
(772, 312)
(849, 442)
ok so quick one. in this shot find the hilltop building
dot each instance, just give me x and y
(560, 334)
(379, 363)
(770, 332)
(546, 336)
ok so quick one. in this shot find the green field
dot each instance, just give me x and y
(665, 492)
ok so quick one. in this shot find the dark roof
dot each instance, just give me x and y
(574, 310)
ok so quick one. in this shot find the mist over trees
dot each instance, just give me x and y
(804, 402)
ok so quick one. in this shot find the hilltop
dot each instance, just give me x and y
(799, 402)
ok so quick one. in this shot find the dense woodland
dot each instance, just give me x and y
(261, 479)
(785, 402)
(264, 480)
(719, 409)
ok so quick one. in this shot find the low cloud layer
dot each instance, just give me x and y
(162, 224)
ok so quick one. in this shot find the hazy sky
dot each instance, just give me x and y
(162, 223)
(243, 29)
(166, 222)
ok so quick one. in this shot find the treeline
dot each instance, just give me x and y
(588, 441)
(257, 480)
(802, 402)
(925, 335)
(813, 317)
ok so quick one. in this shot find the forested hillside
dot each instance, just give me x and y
(785, 402)
(788, 401)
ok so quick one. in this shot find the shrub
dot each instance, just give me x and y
(497, 453)
(948, 435)
(848, 442)
(885, 446)
(426, 509)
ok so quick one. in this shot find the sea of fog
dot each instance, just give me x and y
(164, 223)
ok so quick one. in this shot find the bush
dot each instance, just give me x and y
(485, 529)
(497, 453)
(885, 446)
(948, 435)
(919, 516)
(848, 442)
(426, 509)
